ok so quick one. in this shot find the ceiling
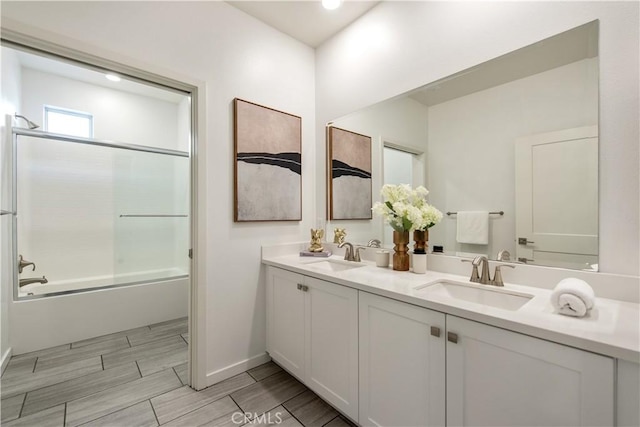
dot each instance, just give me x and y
(306, 20)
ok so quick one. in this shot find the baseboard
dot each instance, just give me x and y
(5, 360)
(237, 368)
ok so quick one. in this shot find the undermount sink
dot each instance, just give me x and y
(478, 294)
(335, 265)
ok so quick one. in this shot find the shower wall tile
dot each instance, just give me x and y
(79, 387)
(218, 410)
(158, 362)
(116, 398)
(139, 415)
(142, 330)
(80, 353)
(24, 383)
(142, 351)
(52, 417)
(10, 408)
(183, 400)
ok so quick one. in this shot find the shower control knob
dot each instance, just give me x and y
(22, 263)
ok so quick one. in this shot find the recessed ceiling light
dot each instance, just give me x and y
(112, 77)
(331, 4)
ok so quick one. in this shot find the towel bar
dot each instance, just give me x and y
(490, 213)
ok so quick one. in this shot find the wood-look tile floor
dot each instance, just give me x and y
(136, 378)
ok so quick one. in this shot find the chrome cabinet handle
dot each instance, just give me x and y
(451, 337)
(524, 241)
(303, 288)
(435, 331)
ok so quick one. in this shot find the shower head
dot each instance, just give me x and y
(29, 122)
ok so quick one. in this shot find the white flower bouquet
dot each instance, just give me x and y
(406, 209)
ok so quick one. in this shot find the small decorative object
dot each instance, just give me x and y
(419, 263)
(316, 240)
(382, 258)
(267, 167)
(401, 250)
(406, 209)
(339, 234)
(349, 174)
(420, 239)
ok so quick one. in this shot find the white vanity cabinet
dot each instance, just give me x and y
(402, 363)
(385, 362)
(492, 377)
(312, 331)
(501, 378)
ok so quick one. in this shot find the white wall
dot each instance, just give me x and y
(10, 93)
(398, 46)
(117, 115)
(235, 56)
(470, 157)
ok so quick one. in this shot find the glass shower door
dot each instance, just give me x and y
(151, 216)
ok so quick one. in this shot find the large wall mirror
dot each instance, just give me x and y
(517, 135)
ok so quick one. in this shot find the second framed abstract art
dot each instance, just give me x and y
(268, 164)
(349, 174)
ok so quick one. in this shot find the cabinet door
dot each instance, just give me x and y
(285, 320)
(402, 364)
(501, 378)
(332, 344)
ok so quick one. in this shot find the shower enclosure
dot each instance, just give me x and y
(93, 214)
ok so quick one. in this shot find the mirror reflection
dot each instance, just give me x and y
(518, 135)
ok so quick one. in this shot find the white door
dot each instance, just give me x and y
(501, 378)
(331, 344)
(402, 364)
(557, 198)
(285, 319)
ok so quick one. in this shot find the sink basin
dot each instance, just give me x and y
(478, 294)
(335, 265)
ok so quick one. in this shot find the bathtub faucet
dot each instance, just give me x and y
(25, 282)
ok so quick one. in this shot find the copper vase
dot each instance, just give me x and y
(420, 239)
(401, 250)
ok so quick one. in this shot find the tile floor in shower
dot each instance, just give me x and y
(137, 377)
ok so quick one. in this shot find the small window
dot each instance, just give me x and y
(68, 122)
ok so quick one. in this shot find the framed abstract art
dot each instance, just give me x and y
(349, 174)
(268, 164)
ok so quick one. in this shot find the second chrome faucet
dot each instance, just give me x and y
(484, 278)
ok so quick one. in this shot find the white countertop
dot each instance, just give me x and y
(611, 328)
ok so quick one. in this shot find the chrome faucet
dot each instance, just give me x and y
(22, 263)
(348, 252)
(374, 243)
(356, 256)
(483, 278)
(25, 282)
(497, 275)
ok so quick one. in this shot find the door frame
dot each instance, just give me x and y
(64, 48)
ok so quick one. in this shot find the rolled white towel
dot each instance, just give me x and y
(573, 297)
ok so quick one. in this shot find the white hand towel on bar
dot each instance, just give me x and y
(473, 227)
(573, 297)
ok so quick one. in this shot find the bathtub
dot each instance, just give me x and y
(100, 282)
(61, 312)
